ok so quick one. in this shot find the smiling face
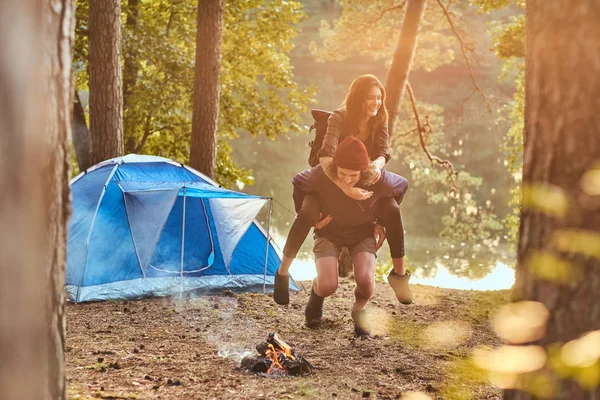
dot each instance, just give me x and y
(373, 101)
(348, 176)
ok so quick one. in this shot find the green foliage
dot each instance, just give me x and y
(258, 92)
(509, 38)
(73, 166)
(487, 6)
(466, 218)
(370, 28)
(509, 44)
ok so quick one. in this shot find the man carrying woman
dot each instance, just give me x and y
(363, 115)
(351, 224)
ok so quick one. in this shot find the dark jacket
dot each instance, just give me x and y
(377, 144)
(352, 219)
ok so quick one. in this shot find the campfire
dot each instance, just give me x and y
(276, 357)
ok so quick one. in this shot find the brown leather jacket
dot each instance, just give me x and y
(377, 144)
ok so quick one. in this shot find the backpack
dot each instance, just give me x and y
(320, 126)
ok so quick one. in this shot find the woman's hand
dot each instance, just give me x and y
(357, 193)
(379, 233)
(323, 221)
(379, 163)
(377, 173)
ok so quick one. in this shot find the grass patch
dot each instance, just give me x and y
(480, 307)
(306, 390)
(463, 380)
(406, 333)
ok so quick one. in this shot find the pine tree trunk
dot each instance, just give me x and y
(35, 119)
(403, 56)
(130, 57)
(130, 71)
(106, 96)
(562, 142)
(81, 135)
(206, 86)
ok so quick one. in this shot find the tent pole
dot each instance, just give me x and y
(87, 242)
(267, 247)
(182, 244)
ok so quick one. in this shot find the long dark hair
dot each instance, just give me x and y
(355, 105)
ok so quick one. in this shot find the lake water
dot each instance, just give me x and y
(434, 263)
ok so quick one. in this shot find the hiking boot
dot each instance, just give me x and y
(400, 285)
(314, 309)
(281, 292)
(361, 325)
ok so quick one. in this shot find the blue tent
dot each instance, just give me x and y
(147, 226)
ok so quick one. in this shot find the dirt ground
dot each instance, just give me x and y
(190, 348)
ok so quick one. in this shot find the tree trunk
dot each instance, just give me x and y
(562, 142)
(106, 96)
(35, 119)
(81, 135)
(130, 57)
(203, 149)
(130, 69)
(403, 56)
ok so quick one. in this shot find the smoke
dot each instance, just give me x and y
(235, 354)
(217, 330)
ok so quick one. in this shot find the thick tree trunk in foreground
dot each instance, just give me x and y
(403, 56)
(562, 143)
(203, 149)
(106, 95)
(35, 118)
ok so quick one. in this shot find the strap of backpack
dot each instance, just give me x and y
(312, 128)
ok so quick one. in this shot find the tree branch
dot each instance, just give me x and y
(368, 24)
(82, 31)
(170, 18)
(146, 133)
(424, 131)
(397, 137)
(464, 50)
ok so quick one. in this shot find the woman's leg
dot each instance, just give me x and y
(389, 216)
(305, 220)
(307, 217)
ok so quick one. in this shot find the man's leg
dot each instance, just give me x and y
(364, 276)
(326, 282)
(305, 220)
(390, 217)
(363, 260)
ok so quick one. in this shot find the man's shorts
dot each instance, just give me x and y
(324, 247)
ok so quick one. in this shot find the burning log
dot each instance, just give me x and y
(276, 358)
